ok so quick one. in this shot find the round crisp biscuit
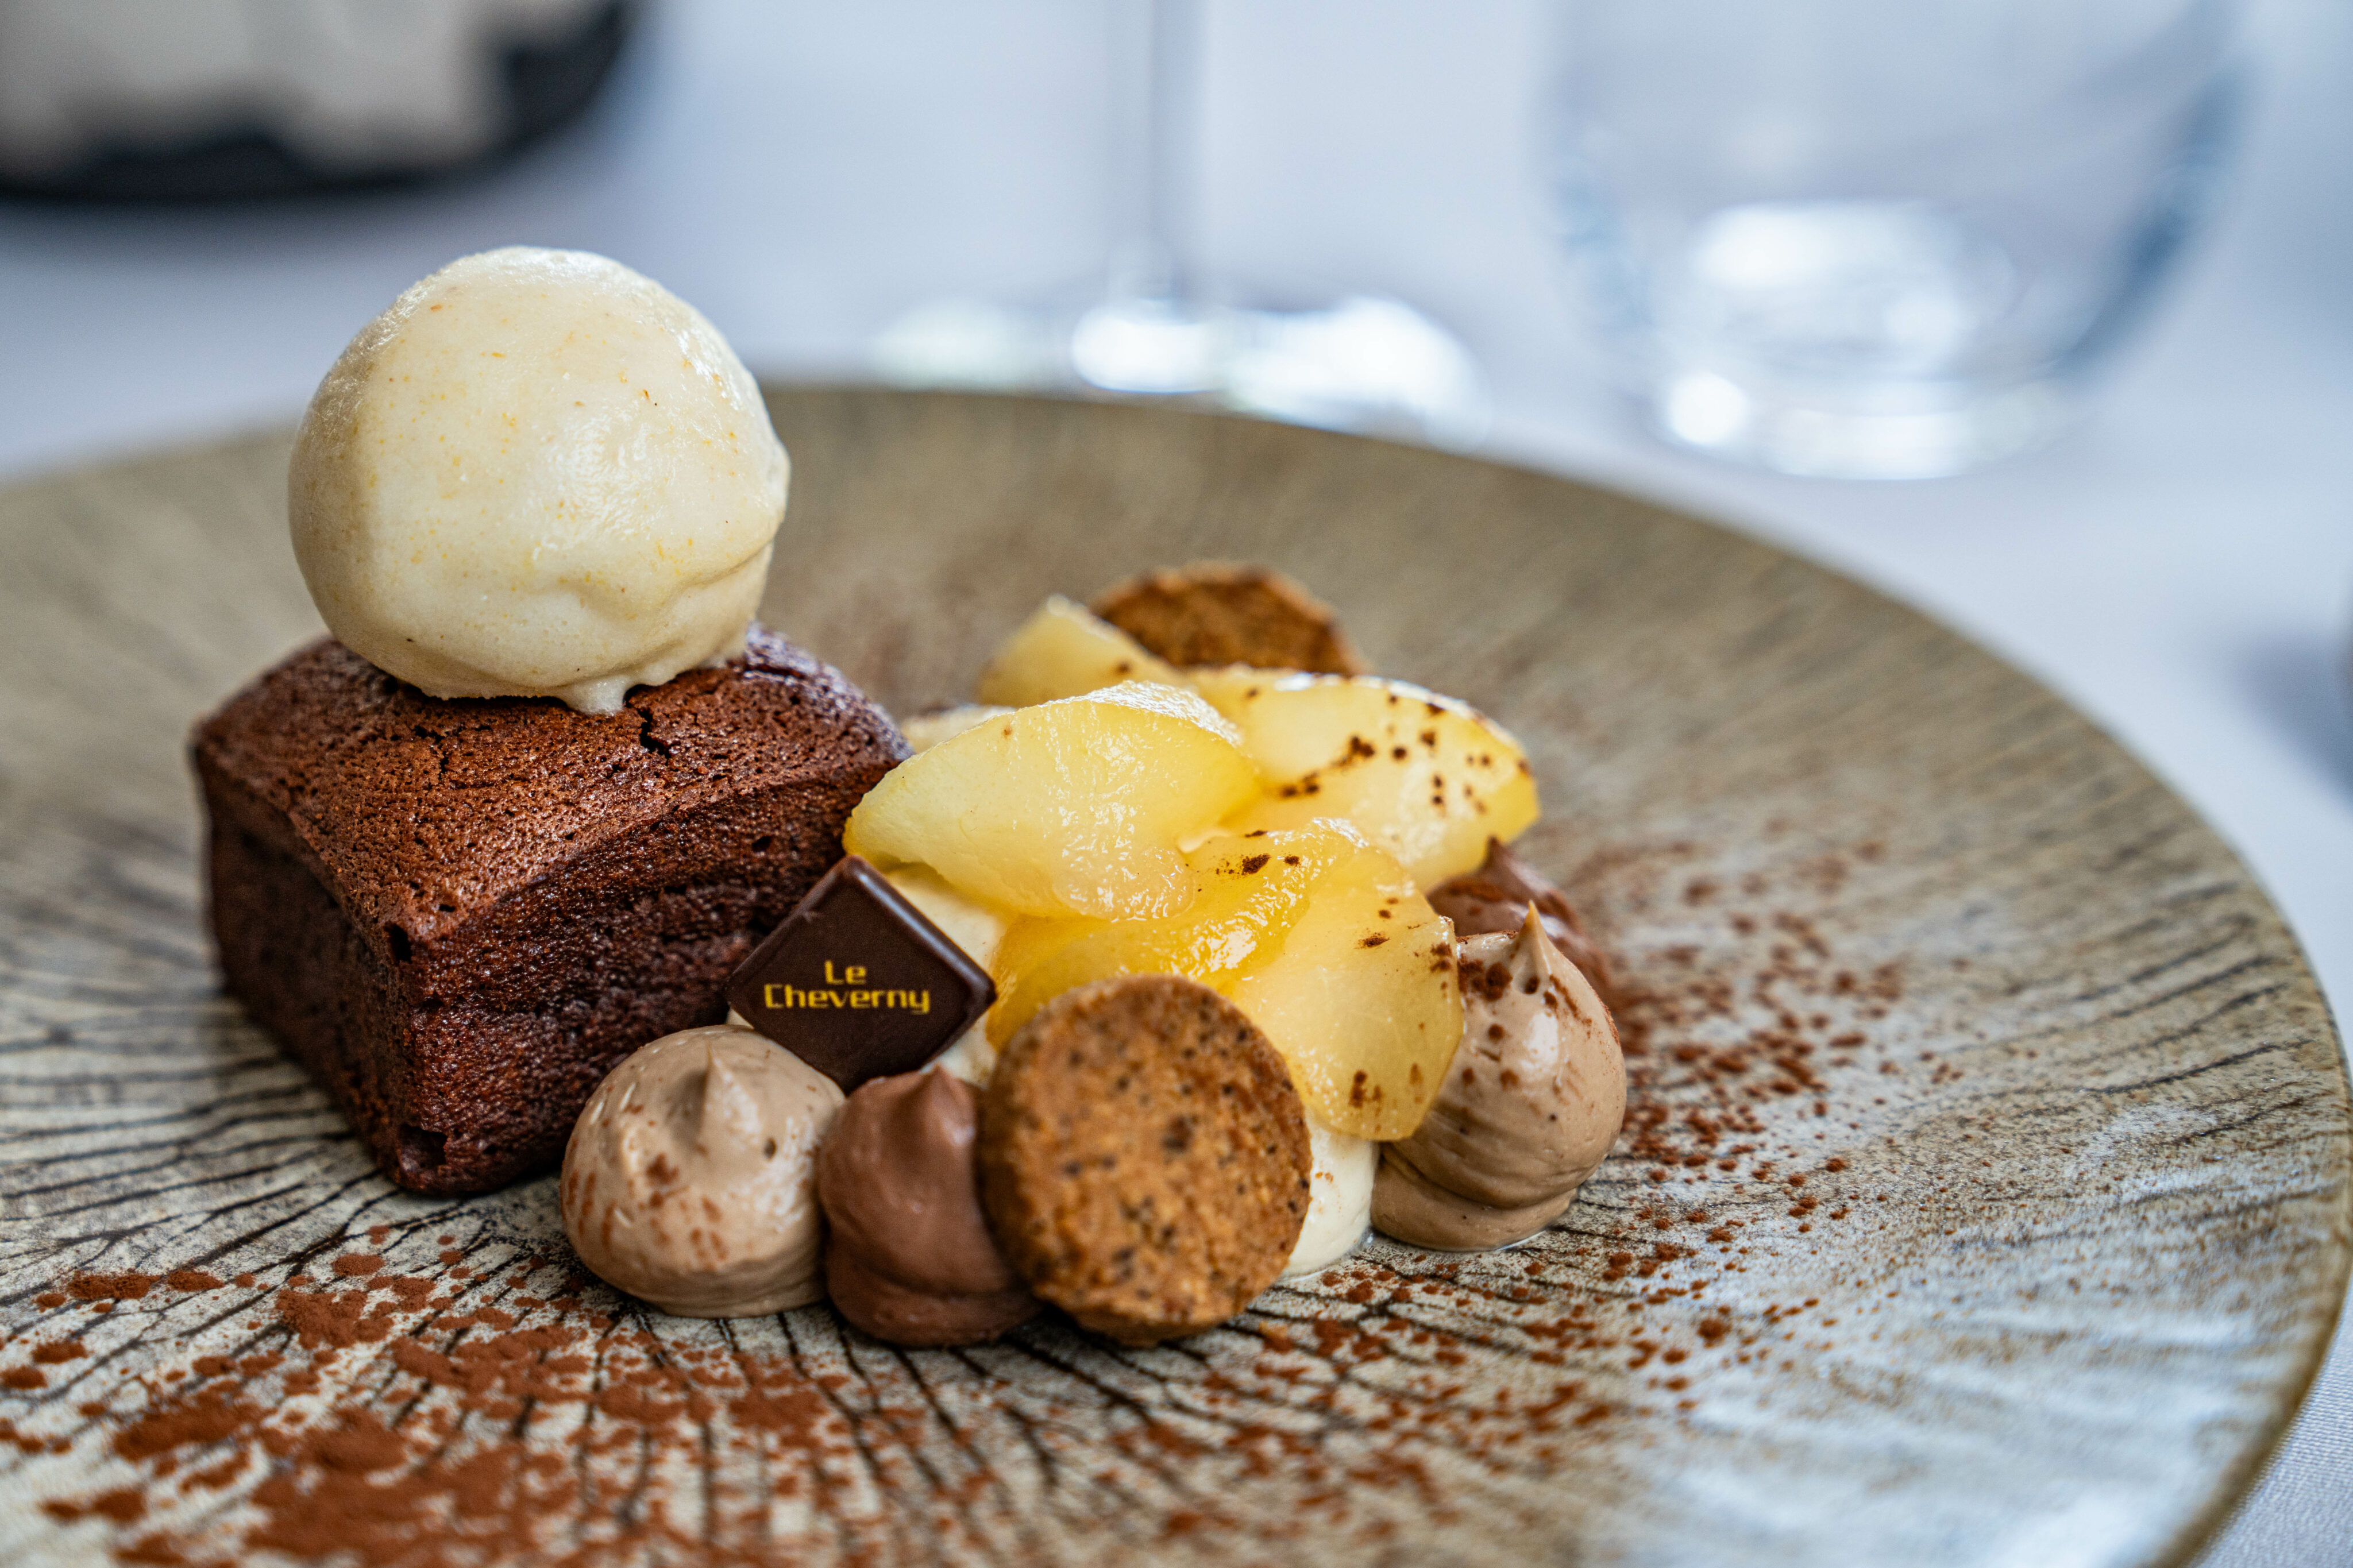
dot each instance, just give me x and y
(1143, 1158)
(1213, 613)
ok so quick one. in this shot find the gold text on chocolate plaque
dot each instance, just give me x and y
(849, 990)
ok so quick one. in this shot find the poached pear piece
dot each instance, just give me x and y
(1321, 939)
(1428, 778)
(1066, 651)
(1070, 808)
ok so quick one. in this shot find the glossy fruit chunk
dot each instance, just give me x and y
(1325, 943)
(1426, 777)
(1069, 808)
(925, 731)
(1247, 892)
(1362, 999)
(1065, 650)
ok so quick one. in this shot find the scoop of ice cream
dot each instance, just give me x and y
(538, 474)
(691, 1176)
(908, 1256)
(1340, 1198)
(1495, 898)
(1531, 1105)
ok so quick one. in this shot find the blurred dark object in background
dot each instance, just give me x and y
(190, 100)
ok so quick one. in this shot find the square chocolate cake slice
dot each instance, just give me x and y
(459, 915)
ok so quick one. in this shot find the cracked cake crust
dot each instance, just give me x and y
(459, 915)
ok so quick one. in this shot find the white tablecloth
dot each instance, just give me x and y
(2182, 568)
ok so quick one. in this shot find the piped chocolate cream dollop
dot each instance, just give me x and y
(1530, 1106)
(688, 1178)
(1495, 898)
(908, 1254)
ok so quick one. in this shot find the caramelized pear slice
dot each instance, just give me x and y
(1073, 807)
(1362, 999)
(1065, 650)
(1247, 893)
(1426, 777)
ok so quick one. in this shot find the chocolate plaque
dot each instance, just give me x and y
(857, 982)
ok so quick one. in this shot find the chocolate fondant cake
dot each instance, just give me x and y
(459, 915)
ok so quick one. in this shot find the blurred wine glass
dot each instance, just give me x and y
(1157, 328)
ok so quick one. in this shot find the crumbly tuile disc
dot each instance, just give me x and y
(1144, 1157)
(1215, 611)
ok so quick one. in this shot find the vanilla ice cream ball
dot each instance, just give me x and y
(538, 474)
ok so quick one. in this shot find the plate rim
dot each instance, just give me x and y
(2288, 1397)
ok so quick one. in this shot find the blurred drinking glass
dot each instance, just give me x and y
(1155, 326)
(1879, 241)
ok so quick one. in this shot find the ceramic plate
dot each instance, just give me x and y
(1983, 1198)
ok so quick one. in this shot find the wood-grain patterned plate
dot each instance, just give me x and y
(1984, 1199)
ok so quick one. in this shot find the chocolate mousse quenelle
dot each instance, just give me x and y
(1530, 1106)
(1497, 897)
(908, 1254)
(689, 1180)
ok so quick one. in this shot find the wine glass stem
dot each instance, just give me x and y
(1155, 100)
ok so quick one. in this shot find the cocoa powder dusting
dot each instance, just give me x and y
(125, 1505)
(417, 1402)
(111, 1287)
